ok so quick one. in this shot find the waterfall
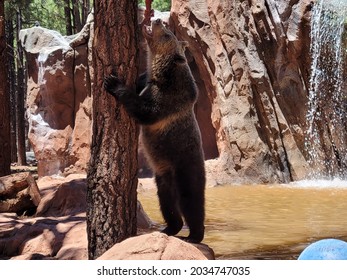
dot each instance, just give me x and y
(41, 61)
(326, 135)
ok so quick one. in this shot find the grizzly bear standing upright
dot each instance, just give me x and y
(163, 106)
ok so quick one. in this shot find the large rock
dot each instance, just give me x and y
(19, 193)
(58, 98)
(58, 229)
(253, 61)
(155, 246)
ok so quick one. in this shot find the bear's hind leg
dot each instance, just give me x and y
(167, 194)
(191, 187)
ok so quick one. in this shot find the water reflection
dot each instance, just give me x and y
(267, 221)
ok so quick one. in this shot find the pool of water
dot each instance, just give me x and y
(267, 221)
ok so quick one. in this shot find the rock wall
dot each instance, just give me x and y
(58, 98)
(250, 60)
(253, 60)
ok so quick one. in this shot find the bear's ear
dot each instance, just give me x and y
(184, 44)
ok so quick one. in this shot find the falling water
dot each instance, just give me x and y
(41, 61)
(326, 136)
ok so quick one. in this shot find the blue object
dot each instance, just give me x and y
(325, 249)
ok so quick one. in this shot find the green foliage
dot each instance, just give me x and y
(12, 6)
(160, 5)
(49, 13)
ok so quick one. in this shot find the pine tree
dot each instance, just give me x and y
(5, 135)
(112, 180)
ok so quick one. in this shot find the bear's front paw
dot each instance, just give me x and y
(112, 85)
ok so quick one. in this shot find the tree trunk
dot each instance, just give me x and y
(85, 10)
(112, 179)
(76, 16)
(5, 133)
(68, 21)
(11, 74)
(20, 98)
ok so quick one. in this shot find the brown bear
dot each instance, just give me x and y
(164, 107)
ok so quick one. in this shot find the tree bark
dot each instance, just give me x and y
(76, 16)
(85, 10)
(112, 174)
(20, 113)
(11, 74)
(68, 21)
(5, 133)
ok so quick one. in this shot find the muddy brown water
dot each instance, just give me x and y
(267, 221)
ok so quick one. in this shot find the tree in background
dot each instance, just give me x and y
(5, 135)
(46, 13)
(76, 13)
(17, 89)
(17, 78)
(65, 16)
(112, 174)
(20, 97)
(160, 5)
(11, 74)
(68, 19)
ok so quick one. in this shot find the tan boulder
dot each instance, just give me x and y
(154, 246)
(19, 193)
(59, 228)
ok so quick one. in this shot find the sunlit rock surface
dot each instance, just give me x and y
(157, 246)
(58, 98)
(58, 229)
(253, 60)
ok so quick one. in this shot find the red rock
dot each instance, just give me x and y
(57, 231)
(253, 61)
(59, 98)
(154, 246)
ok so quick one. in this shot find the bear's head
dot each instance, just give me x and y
(162, 41)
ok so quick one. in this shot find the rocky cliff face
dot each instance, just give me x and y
(250, 60)
(58, 98)
(253, 61)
